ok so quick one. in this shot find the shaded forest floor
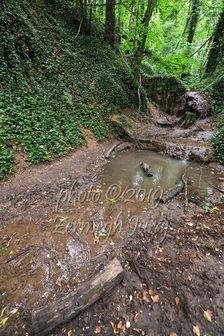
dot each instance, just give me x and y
(173, 270)
(56, 84)
(170, 287)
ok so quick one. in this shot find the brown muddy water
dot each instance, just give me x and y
(125, 170)
(39, 258)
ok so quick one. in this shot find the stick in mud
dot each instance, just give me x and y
(63, 310)
(171, 193)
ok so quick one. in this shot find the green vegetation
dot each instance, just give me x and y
(218, 143)
(216, 90)
(60, 73)
(54, 83)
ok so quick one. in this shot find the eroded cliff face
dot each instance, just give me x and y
(166, 92)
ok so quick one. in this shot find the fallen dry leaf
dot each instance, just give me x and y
(196, 330)
(3, 310)
(208, 315)
(113, 327)
(3, 321)
(120, 325)
(14, 311)
(177, 300)
(197, 255)
(155, 298)
(70, 333)
(98, 329)
(145, 296)
(173, 334)
(162, 259)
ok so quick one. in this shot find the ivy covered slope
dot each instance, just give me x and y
(53, 82)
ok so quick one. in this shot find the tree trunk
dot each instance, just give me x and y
(92, 7)
(195, 13)
(132, 20)
(119, 23)
(66, 308)
(82, 10)
(110, 22)
(143, 37)
(217, 48)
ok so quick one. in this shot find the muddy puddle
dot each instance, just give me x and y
(41, 258)
(125, 170)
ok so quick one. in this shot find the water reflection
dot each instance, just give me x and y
(125, 169)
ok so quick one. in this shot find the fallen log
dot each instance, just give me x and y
(121, 146)
(124, 146)
(111, 150)
(171, 193)
(63, 310)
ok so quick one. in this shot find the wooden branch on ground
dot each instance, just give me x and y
(171, 193)
(120, 147)
(111, 150)
(63, 310)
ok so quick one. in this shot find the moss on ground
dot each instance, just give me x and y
(53, 83)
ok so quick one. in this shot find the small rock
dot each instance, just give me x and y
(147, 169)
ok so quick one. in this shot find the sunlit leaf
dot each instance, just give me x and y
(196, 330)
(208, 315)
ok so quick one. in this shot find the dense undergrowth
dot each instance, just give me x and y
(53, 82)
(216, 90)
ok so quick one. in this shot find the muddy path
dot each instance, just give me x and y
(34, 190)
(170, 287)
(37, 187)
(53, 237)
(173, 273)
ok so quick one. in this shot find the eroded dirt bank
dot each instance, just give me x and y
(163, 134)
(173, 261)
